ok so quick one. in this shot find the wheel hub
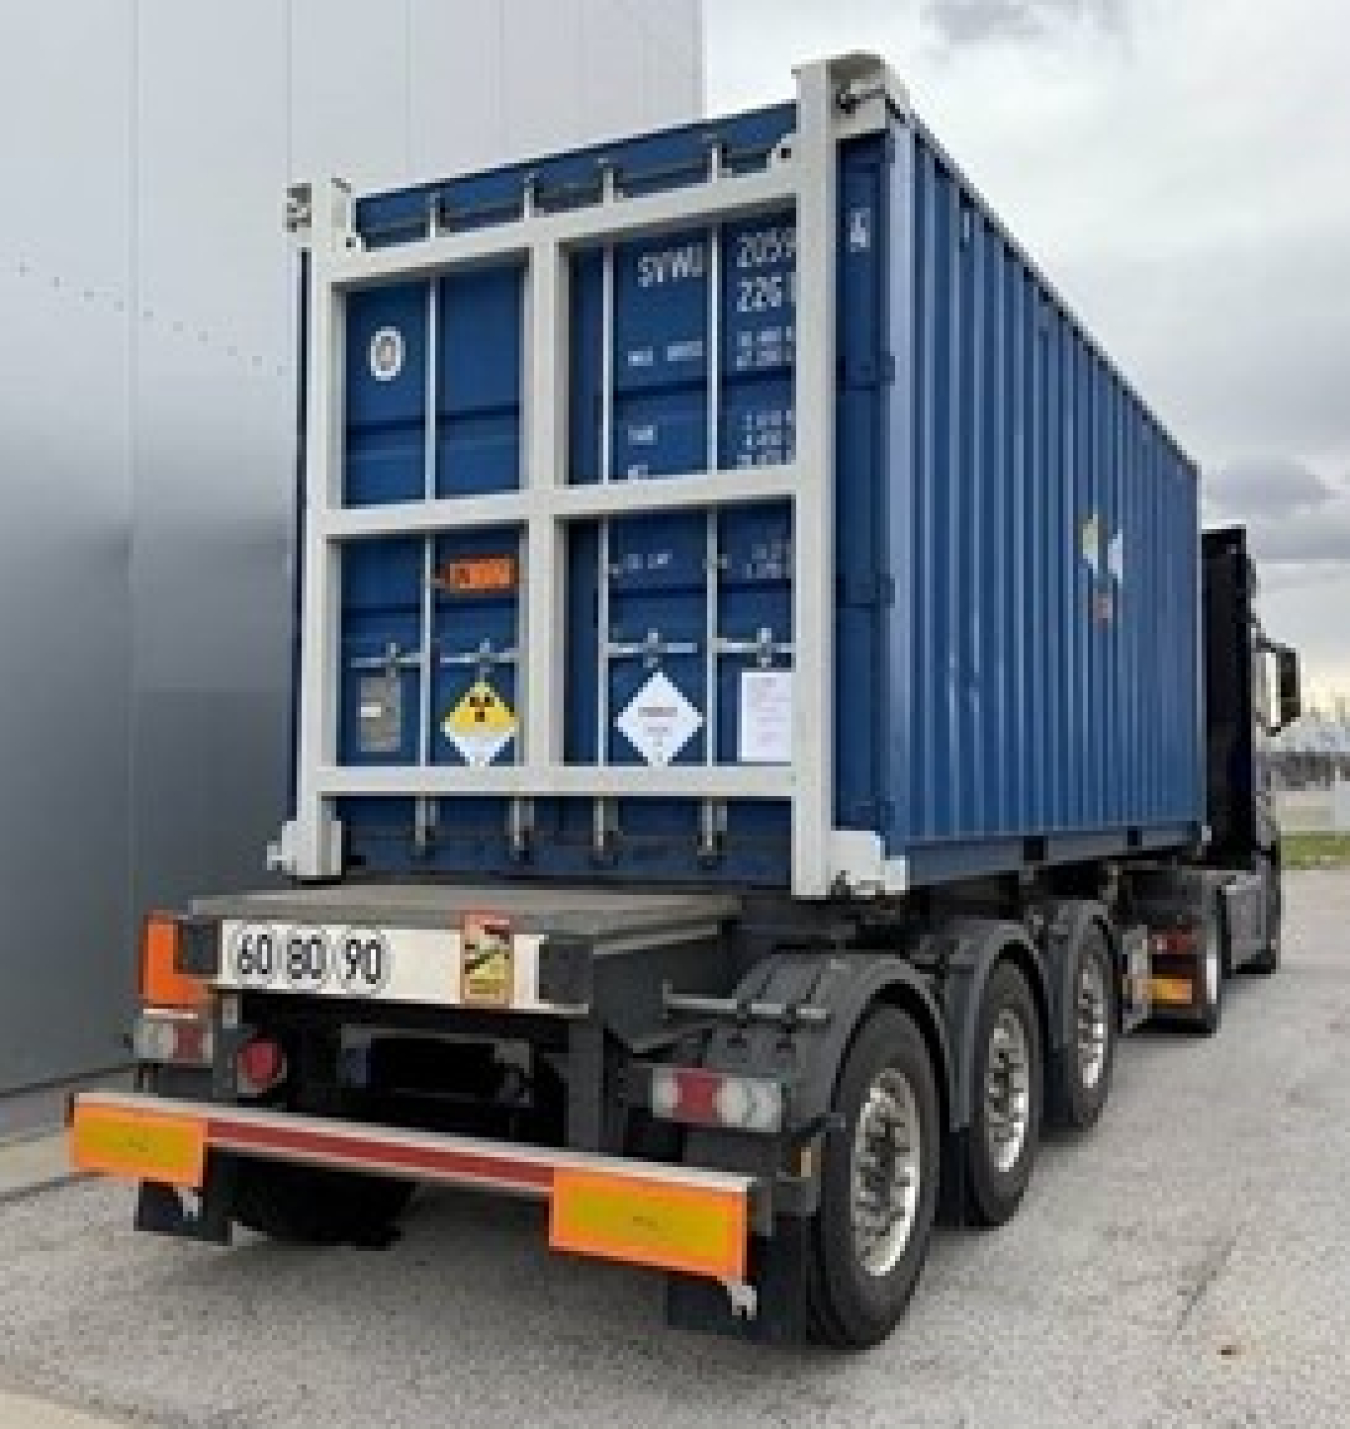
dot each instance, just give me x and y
(1092, 1030)
(1007, 1091)
(886, 1167)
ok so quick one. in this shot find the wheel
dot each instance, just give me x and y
(1083, 1075)
(879, 1184)
(1005, 1123)
(1267, 960)
(316, 1206)
(1209, 1008)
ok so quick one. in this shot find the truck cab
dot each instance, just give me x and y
(1252, 691)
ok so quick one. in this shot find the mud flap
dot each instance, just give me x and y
(202, 1215)
(778, 1269)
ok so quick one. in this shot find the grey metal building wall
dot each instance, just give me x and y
(146, 412)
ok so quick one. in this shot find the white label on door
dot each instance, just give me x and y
(658, 721)
(765, 735)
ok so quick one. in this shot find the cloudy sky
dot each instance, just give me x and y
(1183, 172)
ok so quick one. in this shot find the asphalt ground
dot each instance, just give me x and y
(1187, 1263)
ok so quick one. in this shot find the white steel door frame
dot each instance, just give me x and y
(836, 99)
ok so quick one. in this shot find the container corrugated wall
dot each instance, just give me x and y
(1046, 565)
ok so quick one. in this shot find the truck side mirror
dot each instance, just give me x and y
(1287, 681)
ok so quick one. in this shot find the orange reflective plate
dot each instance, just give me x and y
(141, 1145)
(1171, 991)
(695, 1229)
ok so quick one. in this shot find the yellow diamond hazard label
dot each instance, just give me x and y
(481, 725)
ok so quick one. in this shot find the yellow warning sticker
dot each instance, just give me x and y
(481, 725)
(487, 972)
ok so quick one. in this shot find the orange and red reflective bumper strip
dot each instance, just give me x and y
(666, 1217)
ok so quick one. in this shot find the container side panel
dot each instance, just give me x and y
(1050, 576)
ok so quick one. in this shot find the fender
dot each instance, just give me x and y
(973, 946)
(1066, 924)
(810, 1054)
(854, 983)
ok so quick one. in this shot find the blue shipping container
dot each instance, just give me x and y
(1015, 548)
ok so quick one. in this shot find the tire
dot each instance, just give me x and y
(309, 1205)
(859, 1286)
(1007, 1098)
(1267, 960)
(1209, 1007)
(1082, 1081)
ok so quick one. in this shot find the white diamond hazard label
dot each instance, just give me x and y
(658, 721)
(481, 725)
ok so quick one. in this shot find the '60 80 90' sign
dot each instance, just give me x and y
(357, 961)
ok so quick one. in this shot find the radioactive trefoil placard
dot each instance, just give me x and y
(481, 725)
(659, 721)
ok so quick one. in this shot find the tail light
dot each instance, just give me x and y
(1175, 942)
(726, 1099)
(259, 1065)
(172, 1038)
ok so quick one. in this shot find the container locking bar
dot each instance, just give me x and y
(762, 648)
(392, 660)
(649, 650)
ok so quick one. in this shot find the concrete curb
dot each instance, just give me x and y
(33, 1164)
(19, 1410)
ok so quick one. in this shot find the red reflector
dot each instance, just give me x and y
(261, 1064)
(697, 1100)
(190, 1044)
(1176, 941)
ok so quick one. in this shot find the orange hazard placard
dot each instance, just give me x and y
(477, 575)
